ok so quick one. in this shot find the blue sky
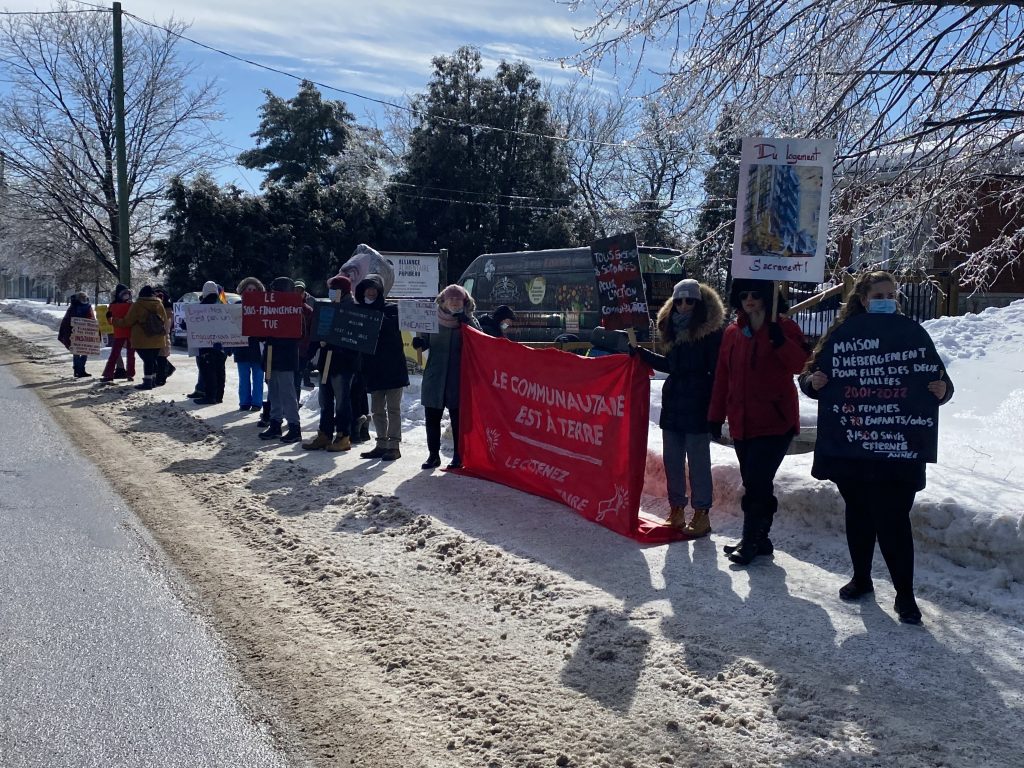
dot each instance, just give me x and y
(380, 48)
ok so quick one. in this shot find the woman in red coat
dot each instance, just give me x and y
(755, 392)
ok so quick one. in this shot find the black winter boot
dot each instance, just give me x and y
(753, 531)
(293, 435)
(273, 430)
(264, 415)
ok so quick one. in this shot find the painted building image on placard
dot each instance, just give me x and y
(782, 210)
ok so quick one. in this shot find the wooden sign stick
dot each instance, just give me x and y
(270, 362)
(775, 300)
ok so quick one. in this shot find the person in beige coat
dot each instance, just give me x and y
(147, 322)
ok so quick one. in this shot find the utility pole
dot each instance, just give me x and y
(124, 265)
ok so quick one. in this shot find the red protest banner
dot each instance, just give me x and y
(564, 427)
(274, 314)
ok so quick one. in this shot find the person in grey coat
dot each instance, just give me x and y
(444, 365)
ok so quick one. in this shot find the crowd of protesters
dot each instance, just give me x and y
(742, 373)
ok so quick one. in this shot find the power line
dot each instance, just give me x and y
(382, 102)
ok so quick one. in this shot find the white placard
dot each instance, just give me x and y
(416, 277)
(782, 209)
(85, 336)
(418, 316)
(209, 324)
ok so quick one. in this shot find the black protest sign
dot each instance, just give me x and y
(347, 325)
(620, 283)
(876, 404)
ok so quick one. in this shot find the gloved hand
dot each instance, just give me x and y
(632, 350)
(775, 335)
(418, 342)
(715, 428)
(463, 317)
(110, 316)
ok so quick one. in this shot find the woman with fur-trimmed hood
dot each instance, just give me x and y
(690, 327)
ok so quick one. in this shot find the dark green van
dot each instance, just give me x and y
(554, 292)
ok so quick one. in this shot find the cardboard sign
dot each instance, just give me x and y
(782, 209)
(347, 325)
(274, 314)
(620, 283)
(178, 323)
(209, 324)
(85, 336)
(876, 404)
(418, 316)
(106, 327)
(559, 426)
(416, 276)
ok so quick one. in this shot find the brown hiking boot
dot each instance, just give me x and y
(341, 443)
(317, 443)
(700, 525)
(677, 517)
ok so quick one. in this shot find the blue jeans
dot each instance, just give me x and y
(693, 450)
(335, 404)
(250, 384)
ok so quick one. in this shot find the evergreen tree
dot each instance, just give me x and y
(298, 137)
(713, 233)
(482, 172)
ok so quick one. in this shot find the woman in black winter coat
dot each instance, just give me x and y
(385, 372)
(690, 327)
(879, 493)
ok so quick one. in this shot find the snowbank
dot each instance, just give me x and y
(49, 315)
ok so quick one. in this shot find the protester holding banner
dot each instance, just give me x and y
(249, 360)
(754, 390)
(336, 365)
(440, 387)
(164, 369)
(878, 490)
(78, 306)
(690, 327)
(385, 372)
(117, 309)
(146, 321)
(211, 360)
(283, 356)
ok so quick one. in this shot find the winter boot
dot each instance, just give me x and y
(749, 545)
(147, 383)
(364, 430)
(433, 462)
(264, 416)
(854, 589)
(456, 462)
(677, 517)
(376, 453)
(357, 430)
(293, 435)
(906, 608)
(341, 443)
(318, 443)
(273, 430)
(391, 454)
(700, 525)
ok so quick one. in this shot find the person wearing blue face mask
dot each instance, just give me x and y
(878, 493)
(690, 335)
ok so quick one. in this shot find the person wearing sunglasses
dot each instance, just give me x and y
(755, 392)
(690, 334)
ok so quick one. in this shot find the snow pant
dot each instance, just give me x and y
(211, 373)
(335, 404)
(881, 514)
(386, 407)
(682, 451)
(360, 402)
(760, 458)
(78, 364)
(250, 384)
(149, 357)
(115, 354)
(434, 429)
(284, 405)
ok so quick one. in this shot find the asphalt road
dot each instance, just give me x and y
(101, 663)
